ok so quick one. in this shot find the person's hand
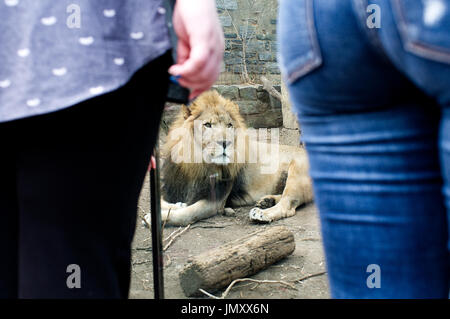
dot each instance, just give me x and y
(200, 44)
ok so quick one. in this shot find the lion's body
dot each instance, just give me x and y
(212, 163)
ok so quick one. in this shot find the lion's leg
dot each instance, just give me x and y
(190, 214)
(297, 191)
(166, 206)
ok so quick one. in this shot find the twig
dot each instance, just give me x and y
(311, 276)
(225, 293)
(170, 236)
(290, 285)
(168, 214)
(208, 294)
(175, 236)
(146, 222)
(169, 260)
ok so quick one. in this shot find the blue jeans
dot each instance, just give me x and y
(374, 109)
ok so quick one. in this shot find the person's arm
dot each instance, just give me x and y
(200, 44)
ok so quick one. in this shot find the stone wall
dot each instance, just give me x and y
(250, 51)
(250, 40)
(258, 108)
(256, 105)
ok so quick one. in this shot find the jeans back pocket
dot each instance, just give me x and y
(424, 27)
(299, 51)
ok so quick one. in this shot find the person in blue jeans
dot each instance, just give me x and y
(370, 82)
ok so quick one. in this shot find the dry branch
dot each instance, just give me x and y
(173, 237)
(311, 276)
(145, 222)
(268, 86)
(290, 285)
(226, 292)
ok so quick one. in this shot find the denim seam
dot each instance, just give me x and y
(316, 61)
(417, 47)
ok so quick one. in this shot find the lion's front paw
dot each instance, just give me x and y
(229, 212)
(257, 214)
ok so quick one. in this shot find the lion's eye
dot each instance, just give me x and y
(207, 124)
(229, 125)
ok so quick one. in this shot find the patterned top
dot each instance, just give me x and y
(56, 53)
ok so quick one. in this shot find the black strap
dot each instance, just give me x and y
(175, 92)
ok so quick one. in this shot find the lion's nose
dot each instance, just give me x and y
(224, 143)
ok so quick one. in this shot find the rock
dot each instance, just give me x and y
(247, 92)
(228, 91)
(270, 118)
(251, 107)
(226, 4)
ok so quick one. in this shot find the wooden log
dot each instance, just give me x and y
(217, 268)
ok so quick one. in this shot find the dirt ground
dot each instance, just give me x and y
(307, 259)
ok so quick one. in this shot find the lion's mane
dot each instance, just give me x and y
(190, 182)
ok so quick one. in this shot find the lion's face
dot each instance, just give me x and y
(207, 132)
(217, 139)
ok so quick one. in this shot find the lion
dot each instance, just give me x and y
(211, 167)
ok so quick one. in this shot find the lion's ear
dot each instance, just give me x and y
(186, 111)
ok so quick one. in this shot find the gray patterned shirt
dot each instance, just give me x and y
(56, 53)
